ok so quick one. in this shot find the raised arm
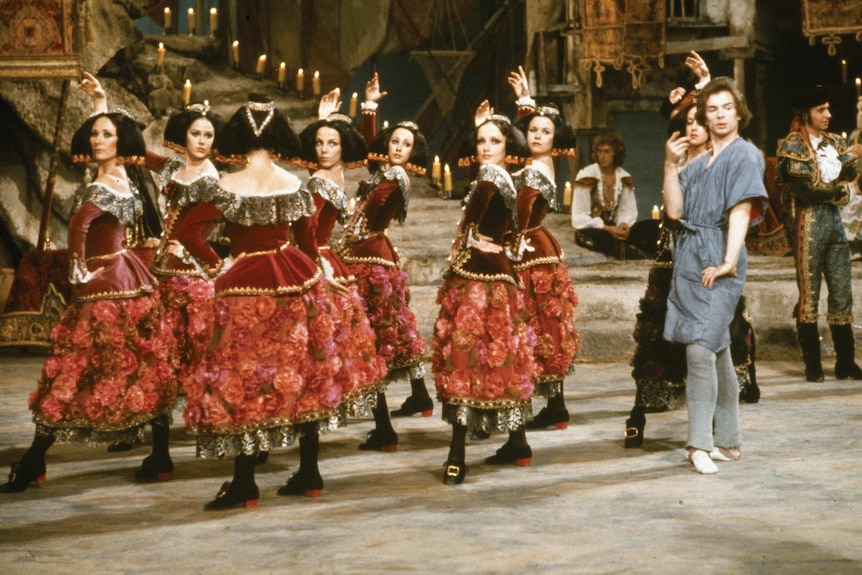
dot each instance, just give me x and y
(91, 86)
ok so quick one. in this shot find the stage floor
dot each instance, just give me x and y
(793, 504)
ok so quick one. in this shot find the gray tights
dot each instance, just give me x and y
(712, 396)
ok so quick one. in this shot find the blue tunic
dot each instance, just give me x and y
(696, 314)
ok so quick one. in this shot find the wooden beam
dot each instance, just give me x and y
(706, 44)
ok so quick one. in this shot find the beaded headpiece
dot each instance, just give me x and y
(336, 117)
(408, 125)
(267, 107)
(201, 108)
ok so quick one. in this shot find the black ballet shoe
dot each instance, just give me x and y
(547, 418)
(522, 456)
(23, 475)
(155, 468)
(848, 371)
(814, 374)
(380, 441)
(454, 472)
(479, 434)
(261, 458)
(302, 484)
(412, 406)
(749, 393)
(229, 496)
(635, 428)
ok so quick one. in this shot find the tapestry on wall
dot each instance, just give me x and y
(623, 33)
(828, 19)
(37, 39)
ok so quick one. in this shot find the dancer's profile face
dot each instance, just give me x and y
(540, 136)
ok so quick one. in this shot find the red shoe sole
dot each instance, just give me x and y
(525, 462)
(313, 493)
(40, 480)
(165, 476)
(427, 413)
(250, 503)
(389, 448)
(562, 425)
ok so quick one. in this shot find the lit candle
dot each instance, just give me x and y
(300, 81)
(567, 194)
(354, 102)
(167, 19)
(160, 55)
(844, 136)
(187, 92)
(261, 64)
(213, 21)
(447, 180)
(235, 50)
(858, 87)
(351, 206)
(385, 124)
(282, 74)
(435, 170)
(656, 213)
(315, 83)
(843, 71)
(191, 21)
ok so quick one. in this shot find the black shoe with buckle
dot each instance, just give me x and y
(413, 405)
(230, 496)
(635, 427)
(454, 472)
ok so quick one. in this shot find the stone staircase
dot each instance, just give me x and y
(608, 290)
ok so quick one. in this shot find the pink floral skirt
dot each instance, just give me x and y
(109, 372)
(271, 365)
(483, 354)
(362, 372)
(387, 301)
(551, 301)
(188, 303)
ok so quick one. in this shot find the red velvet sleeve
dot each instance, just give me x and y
(479, 201)
(369, 125)
(304, 232)
(524, 206)
(154, 162)
(79, 225)
(190, 231)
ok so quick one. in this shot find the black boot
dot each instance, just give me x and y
(418, 402)
(157, 466)
(307, 480)
(845, 352)
(454, 470)
(31, 468)
(635, 427)
(809, 340)
(241, 491)
(383, 436)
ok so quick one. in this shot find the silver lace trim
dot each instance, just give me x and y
(394, 174)
(533, 178)
(488, 420)
(126, 208)
(329, 191)
(254, 441)
(501, 179)
(264, 210)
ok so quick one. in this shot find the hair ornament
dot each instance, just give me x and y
(408, 125)
(336, 117)
(122, 111)
(267, 107)
(547, 111)
(499, 118)
(201, 108)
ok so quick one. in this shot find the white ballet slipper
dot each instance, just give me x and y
(702, 462)
(725, 454)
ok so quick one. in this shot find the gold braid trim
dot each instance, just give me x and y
(487, 404)
(142, 290)
(369, 260)
(270, 423)
(554, 260)
(280, 290)
(107, 256)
